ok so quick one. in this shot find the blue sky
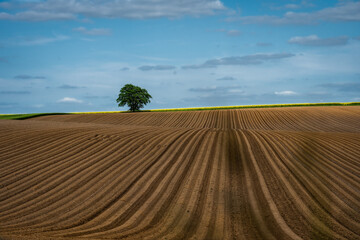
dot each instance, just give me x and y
(75, 55)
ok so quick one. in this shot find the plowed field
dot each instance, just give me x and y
(279, 173)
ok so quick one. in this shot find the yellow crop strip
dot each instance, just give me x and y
(234, 107)
(257, 106)
(98, 112)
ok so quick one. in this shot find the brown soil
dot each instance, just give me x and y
(280, 173)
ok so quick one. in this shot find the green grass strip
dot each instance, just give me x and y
(26, 116)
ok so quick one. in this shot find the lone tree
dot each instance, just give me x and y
(133, 96)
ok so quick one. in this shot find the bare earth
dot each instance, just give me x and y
(280, 173)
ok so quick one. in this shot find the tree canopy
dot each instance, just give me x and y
(134, 97)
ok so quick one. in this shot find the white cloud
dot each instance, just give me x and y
(42, 41)
(236, 91)
(252, 59)
(94, 31)
(69, 100)
(219, 90)
(28, 77)
(232, 32)
(286, 93)
(293, 6)
(140, 9)
(36, 16)
(343, 12)
(156, 67)
(314, 40)
(226, 79)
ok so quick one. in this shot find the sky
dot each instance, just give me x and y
(76, 55)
